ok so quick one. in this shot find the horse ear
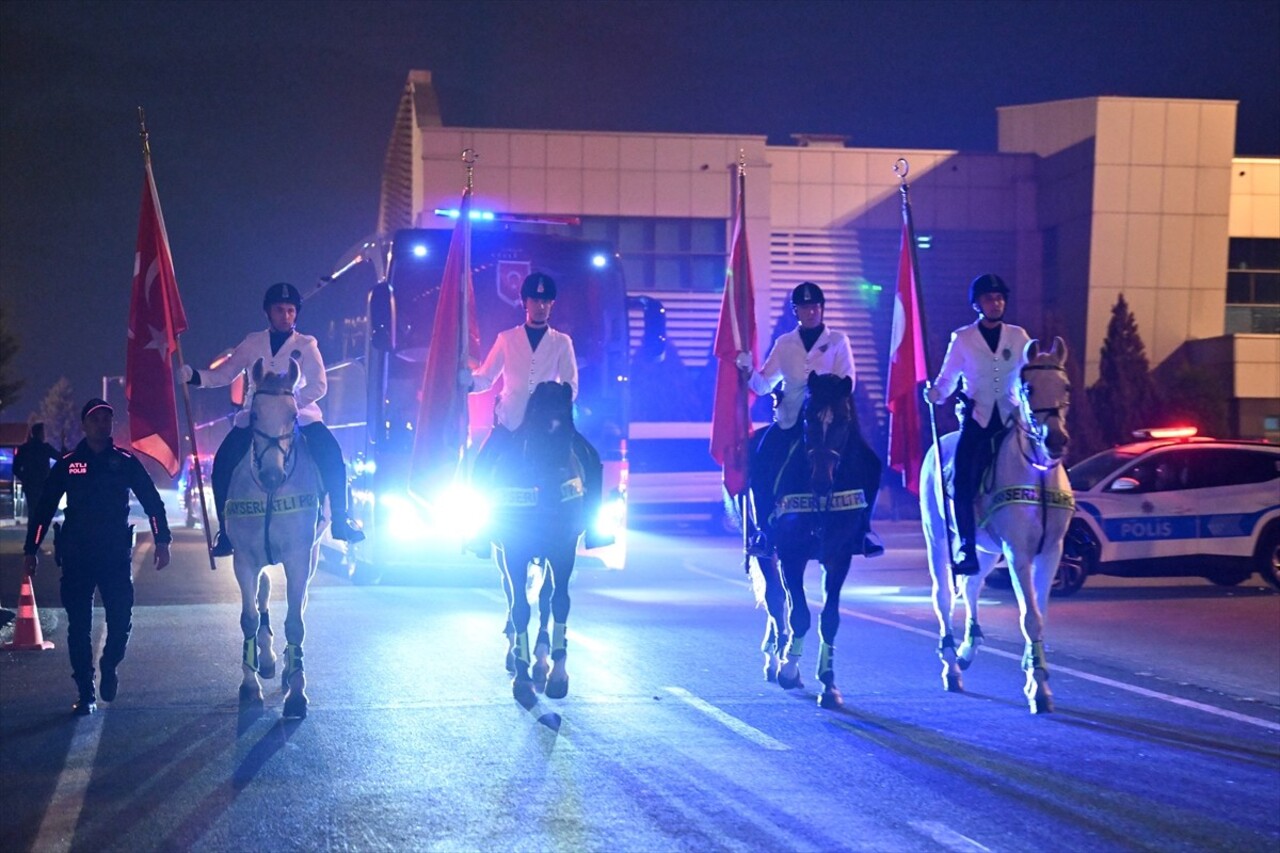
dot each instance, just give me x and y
(1059, 350)
(1031, 350)
(256, 372)
(846, 385)
(295, 372)
(812, 377)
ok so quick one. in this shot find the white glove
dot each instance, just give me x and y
(743, 361)
(185, 373)
(933, 394)
(466, 378)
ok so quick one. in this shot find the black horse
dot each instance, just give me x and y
(823, 491)
(538, 513)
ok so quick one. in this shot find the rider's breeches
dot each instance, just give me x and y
(230, 452)
(970, 460)
(106, 569)
(328, 458)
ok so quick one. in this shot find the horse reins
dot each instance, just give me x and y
(1037, 436)
(290, 458)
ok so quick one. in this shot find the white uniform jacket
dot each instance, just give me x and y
(257, 345)
(990, 378)
(521, 369)
(789, 363)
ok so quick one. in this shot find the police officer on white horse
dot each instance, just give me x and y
(984, 358)
(276, 345)
(811, 347)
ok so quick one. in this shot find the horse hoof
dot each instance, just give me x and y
(250, 693)
(539, 673)
(830, 698)
(558, 689)
(295, 706)
(771, 674)
(266, 669)
(522, 692)
(952, 682)
(789, 681)
(1042, 705)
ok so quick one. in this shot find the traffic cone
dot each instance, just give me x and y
(27, 636)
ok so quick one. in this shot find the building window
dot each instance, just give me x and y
(665, 254)
(1253, 286)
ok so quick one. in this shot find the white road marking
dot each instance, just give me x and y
(947, 837)
(727, 720)
(58, 827)
(1075, 673)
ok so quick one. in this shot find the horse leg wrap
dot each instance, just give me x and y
(559, 642)
(1035, 656)
(264, 621)
(250, 657)
(973, 632)
(826, 664)
(946, 642)
(796, 648)
(292, 661)
(522, 648)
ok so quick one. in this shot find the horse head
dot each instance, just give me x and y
(828, 418)
(273, 417)
(1046, 397)
(548, 421)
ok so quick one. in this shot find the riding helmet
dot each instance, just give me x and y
(987, 283)
(281, 293)
(538, 285)
(807, 293)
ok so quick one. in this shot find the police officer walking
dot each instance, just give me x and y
(31, 465)
(985, 358)
(95, 545)
(276, 345)
(811, 347)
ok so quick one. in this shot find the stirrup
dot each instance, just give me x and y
(968, 562)
(222, 545)
(341, 529)
(760, 547)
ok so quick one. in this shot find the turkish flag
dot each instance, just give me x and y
(907, 370)
(735, 333)
(443, 422)
(156, 318)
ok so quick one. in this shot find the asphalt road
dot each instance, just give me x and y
(1166, 735)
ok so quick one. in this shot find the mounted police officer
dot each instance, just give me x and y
(523, 357)
(276, 345)
(985, 358)
(811, 347)
(95, 545)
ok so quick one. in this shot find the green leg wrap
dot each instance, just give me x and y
(251, 652)
(825, 654)
(522, 648)
(559, 640)
(796, 649)
(1037, 656)
(292, 660)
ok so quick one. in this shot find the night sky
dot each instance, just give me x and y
(269, 121)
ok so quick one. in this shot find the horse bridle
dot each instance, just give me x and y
(276, 441)
(1037, 431)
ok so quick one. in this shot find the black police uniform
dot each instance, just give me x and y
(95, 547)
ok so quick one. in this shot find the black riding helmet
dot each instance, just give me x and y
(987, 283)
(281, 293)
(807, 293)
(538, 285)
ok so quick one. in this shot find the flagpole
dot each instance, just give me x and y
(743, 499)
(901, 168)
(469, 158)
(177, 339)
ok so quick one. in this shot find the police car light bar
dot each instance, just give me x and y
(491, 216)
(1166, 432)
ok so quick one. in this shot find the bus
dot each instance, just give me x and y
(372, 404)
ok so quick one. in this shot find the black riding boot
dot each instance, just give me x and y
(969, 461)
(230, 452)
(333, 473)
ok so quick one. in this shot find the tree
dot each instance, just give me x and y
(1195, 396)
(1124, 397)
(9, 387)
(60, 416)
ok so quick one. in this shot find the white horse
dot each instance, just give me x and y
(1023, 511)
(273, 513)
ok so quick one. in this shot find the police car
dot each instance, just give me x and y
(1175, 504)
